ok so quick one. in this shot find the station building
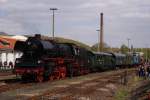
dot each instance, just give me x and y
(7, 53)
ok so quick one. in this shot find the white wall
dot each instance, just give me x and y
(6, 56)
(3, 57)
(10, 57)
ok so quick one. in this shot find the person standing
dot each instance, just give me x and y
(148, 71)
(141, 71)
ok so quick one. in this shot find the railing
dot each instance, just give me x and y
(8, 67)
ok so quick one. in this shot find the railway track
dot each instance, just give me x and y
(141, 92)
(67, 88)
(11, 84)
(87, 90)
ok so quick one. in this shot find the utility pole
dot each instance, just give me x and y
(128, 44)
(101, 32)
(146, 52)
(98, 49)
(132, 48)
(53, 26)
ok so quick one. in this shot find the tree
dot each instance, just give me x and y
(124, 48)
(105, 48)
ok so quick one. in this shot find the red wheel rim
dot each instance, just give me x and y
(40, 78)
(51, 77)
(63, 75)
(58, 75)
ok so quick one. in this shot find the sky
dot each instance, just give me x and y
(79, 19)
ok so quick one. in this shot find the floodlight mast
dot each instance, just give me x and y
(53, 26)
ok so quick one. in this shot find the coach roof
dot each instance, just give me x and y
(102, 53)
(119, 54)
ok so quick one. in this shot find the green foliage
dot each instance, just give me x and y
(146, 51)
(106, 47)
(124, 49)
(121, 94)
(137, 79)
(95, 47)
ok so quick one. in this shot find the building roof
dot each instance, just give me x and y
(19, 37)
(7, 43)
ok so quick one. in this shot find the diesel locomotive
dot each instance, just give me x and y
(49, 60)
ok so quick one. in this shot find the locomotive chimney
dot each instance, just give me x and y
(38, 36)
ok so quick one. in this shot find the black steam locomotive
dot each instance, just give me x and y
(49, 60)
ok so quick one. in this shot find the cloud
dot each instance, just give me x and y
(11, 27)
(3, 1)
(76, 19)
(136, 15)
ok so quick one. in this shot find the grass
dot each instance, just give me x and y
(121, 94)
(124, 92)
(136, 79)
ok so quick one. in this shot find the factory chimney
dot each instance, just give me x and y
(101, 32)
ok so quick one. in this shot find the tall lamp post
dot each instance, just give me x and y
(53, 9)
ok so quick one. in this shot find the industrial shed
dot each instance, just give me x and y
(7, 52)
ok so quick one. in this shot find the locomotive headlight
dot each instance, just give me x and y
(39, 61)
(29, 43)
